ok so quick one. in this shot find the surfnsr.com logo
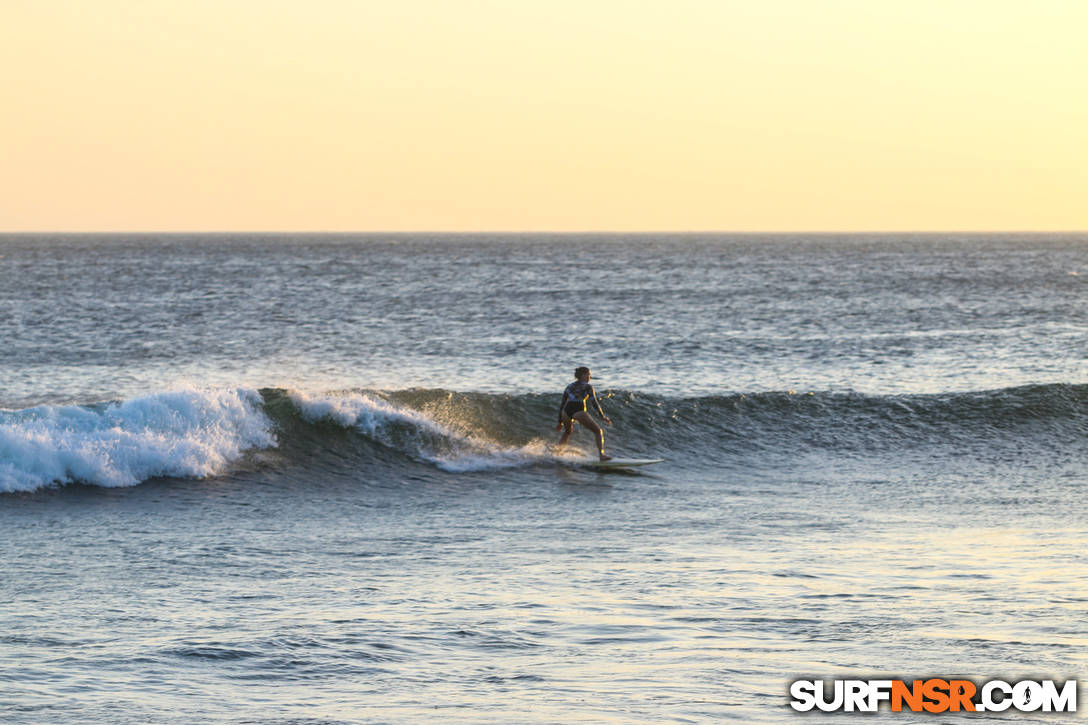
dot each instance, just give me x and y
(934, 695)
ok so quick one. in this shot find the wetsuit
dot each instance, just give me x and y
(574, 399)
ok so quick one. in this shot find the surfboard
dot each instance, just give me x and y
(623, 462)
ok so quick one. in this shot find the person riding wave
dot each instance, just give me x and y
(573, 408)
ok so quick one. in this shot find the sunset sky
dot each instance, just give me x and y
(460, 115)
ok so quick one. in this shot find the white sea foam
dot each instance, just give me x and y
(190, 434)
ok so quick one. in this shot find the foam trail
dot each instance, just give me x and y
(188, 434)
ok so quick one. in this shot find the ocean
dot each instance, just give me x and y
(308, 478)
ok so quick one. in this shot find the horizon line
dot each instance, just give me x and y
(526, 232)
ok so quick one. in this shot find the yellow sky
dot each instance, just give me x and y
(557, 115)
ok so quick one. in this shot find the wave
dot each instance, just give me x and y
(199, 434)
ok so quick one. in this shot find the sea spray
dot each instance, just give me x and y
(448, 446)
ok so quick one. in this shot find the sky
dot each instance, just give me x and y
(565, 115)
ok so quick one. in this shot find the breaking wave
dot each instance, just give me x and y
(197, 434)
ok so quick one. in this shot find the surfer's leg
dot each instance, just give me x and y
(585, 419)
(568, 428)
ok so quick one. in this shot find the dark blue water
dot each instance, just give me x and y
(307, 478)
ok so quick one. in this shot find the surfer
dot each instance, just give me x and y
(573, 408)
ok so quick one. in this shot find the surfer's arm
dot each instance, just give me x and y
(597, 403)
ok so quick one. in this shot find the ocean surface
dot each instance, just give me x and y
(307, 478)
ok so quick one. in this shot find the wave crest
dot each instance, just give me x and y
(433, 435)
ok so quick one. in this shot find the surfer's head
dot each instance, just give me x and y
(581, 373)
